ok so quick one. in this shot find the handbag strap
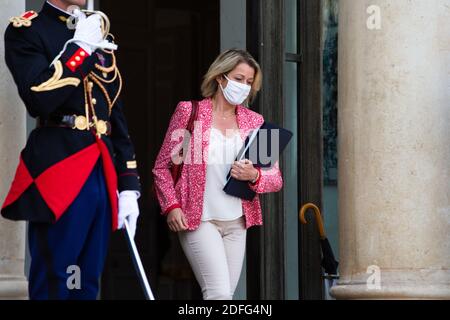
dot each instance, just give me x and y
(190, 126)
(193, 117)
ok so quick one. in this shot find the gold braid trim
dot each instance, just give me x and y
(105, 80)
(110, 68)
(104, 91)
(99, 81)
(24, 20)
(20, 22)
(120, 88)
(55, 82)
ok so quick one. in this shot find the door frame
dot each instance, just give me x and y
(266, 246)
(310, 121)
(266, 249)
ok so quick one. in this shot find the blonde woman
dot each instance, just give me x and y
(212, 225)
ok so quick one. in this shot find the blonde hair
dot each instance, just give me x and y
(224, 64)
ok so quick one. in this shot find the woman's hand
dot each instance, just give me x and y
(244, 170)
(176, 220)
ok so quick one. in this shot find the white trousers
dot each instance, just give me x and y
(215, 252)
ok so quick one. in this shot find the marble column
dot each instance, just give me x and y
(13, 284)
(394, 149)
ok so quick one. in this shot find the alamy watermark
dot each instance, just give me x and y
(191, 145)
(74, 280)
(374, 21)
(373, 282)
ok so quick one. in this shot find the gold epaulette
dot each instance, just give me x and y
(24, 20)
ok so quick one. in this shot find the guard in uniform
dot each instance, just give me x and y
(77, 177)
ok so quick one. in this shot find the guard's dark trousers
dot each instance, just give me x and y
(68, 256)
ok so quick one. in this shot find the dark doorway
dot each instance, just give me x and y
(165, 47)
(266, 247)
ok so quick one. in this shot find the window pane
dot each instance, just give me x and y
(291, 26)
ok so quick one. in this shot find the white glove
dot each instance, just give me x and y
(128, 209)
(88, 33)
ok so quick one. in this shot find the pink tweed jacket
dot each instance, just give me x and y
(188, 193)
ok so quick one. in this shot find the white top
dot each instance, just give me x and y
(217, 205)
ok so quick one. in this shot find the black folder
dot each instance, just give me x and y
(263, 147)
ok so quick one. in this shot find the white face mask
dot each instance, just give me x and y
(235, 92)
